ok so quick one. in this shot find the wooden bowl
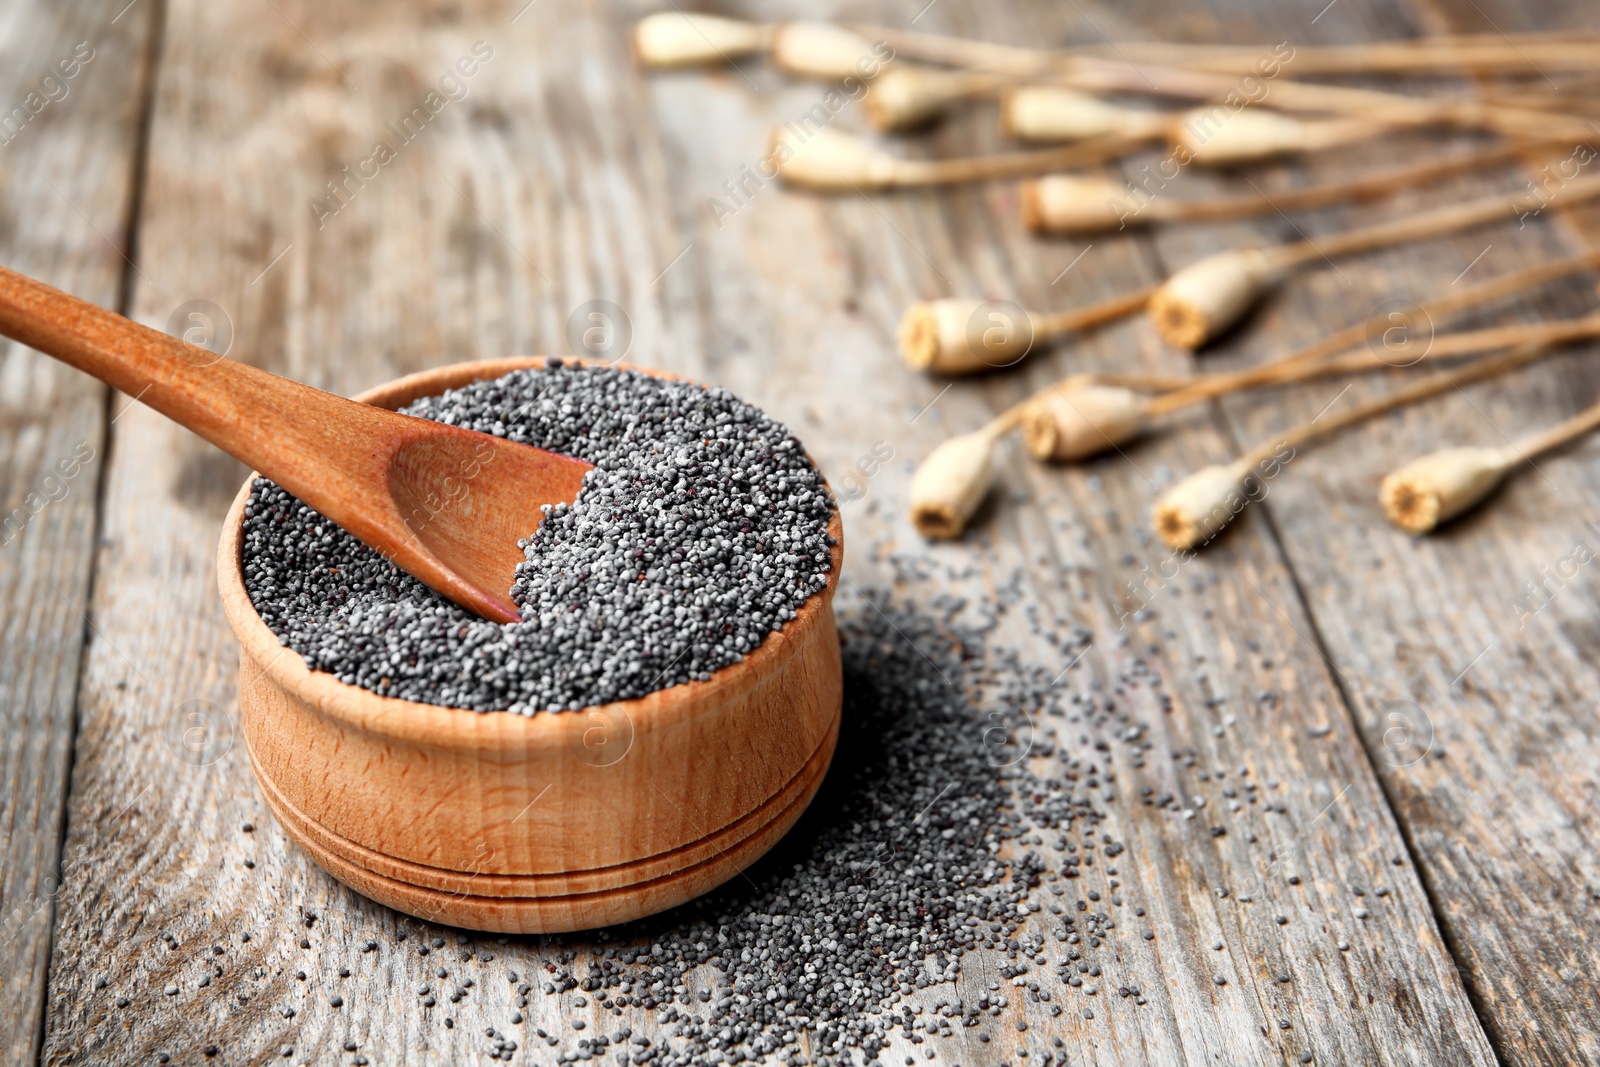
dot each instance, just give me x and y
(558, 821)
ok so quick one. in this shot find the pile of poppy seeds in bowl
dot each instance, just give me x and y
(702, 529)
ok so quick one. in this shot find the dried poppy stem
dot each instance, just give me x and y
(1438, 383)
(966, 336)
(675, 38)
(1092, 74)
(1575, 96)
(1484, 56)
(1081, 417)
(1536, 445)
(1486, 53)
(1061, 107)
(1197, 508)
(1393, 109)
(1436, 488)
(825, 160)
(1208, 296)
(1444, 346)
(1046, 113)
(1236, 125)
(1471, 297)
(825, 50)
(1080, 203)
(1426, 224)
(1463, 343)
(957, 336)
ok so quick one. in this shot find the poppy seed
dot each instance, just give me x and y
(702, 529)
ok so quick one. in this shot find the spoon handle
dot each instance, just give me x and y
(346, 460)
(289, 430)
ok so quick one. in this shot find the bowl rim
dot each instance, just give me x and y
(501, 732)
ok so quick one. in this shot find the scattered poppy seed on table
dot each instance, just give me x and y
(926, 843)
(702, 529)
(889, 880)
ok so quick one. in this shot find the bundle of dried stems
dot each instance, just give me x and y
(1251, 108)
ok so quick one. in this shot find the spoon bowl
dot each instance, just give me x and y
(469, 499)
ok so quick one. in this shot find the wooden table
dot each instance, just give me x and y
(1434, 731)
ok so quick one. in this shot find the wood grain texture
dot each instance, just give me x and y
(1087, 527)
(67, 150)
(1471, 686)
(565, 177)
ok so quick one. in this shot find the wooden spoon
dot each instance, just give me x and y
(444, 504)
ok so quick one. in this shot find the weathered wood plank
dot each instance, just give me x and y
(565, 176)
(512, 207)
(70, 92)
(1472, 693)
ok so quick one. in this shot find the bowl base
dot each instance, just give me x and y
(551, 904)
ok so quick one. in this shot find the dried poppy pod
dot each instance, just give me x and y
(1084, 203)
(1053, 114)
(1206, 297)
(952, 482)
(832, 162)
(1441, 485)
(823, 50)
(906, 98)
(1194, 510)
(1197, 508)
(1076, 420)
(963, 336)
(1203, 299)
(676, 39)
(1216, 137)
(828, 161)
